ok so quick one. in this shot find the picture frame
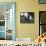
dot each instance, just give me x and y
(26, 17)
(42, 1)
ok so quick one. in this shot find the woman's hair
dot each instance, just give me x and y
(44, 34)
(44, 40)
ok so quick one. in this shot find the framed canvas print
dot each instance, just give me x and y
(7, 20)
(26, 17)
(42, 1)
(42, 22)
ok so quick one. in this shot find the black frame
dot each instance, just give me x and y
(41, 2)
(39, 20)
(29, 13)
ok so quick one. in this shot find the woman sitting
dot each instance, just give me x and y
(41, 38)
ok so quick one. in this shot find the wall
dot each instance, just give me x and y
(27, 30)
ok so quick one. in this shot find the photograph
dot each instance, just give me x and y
(26, 17)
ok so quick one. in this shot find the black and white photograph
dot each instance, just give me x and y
(26, 17)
